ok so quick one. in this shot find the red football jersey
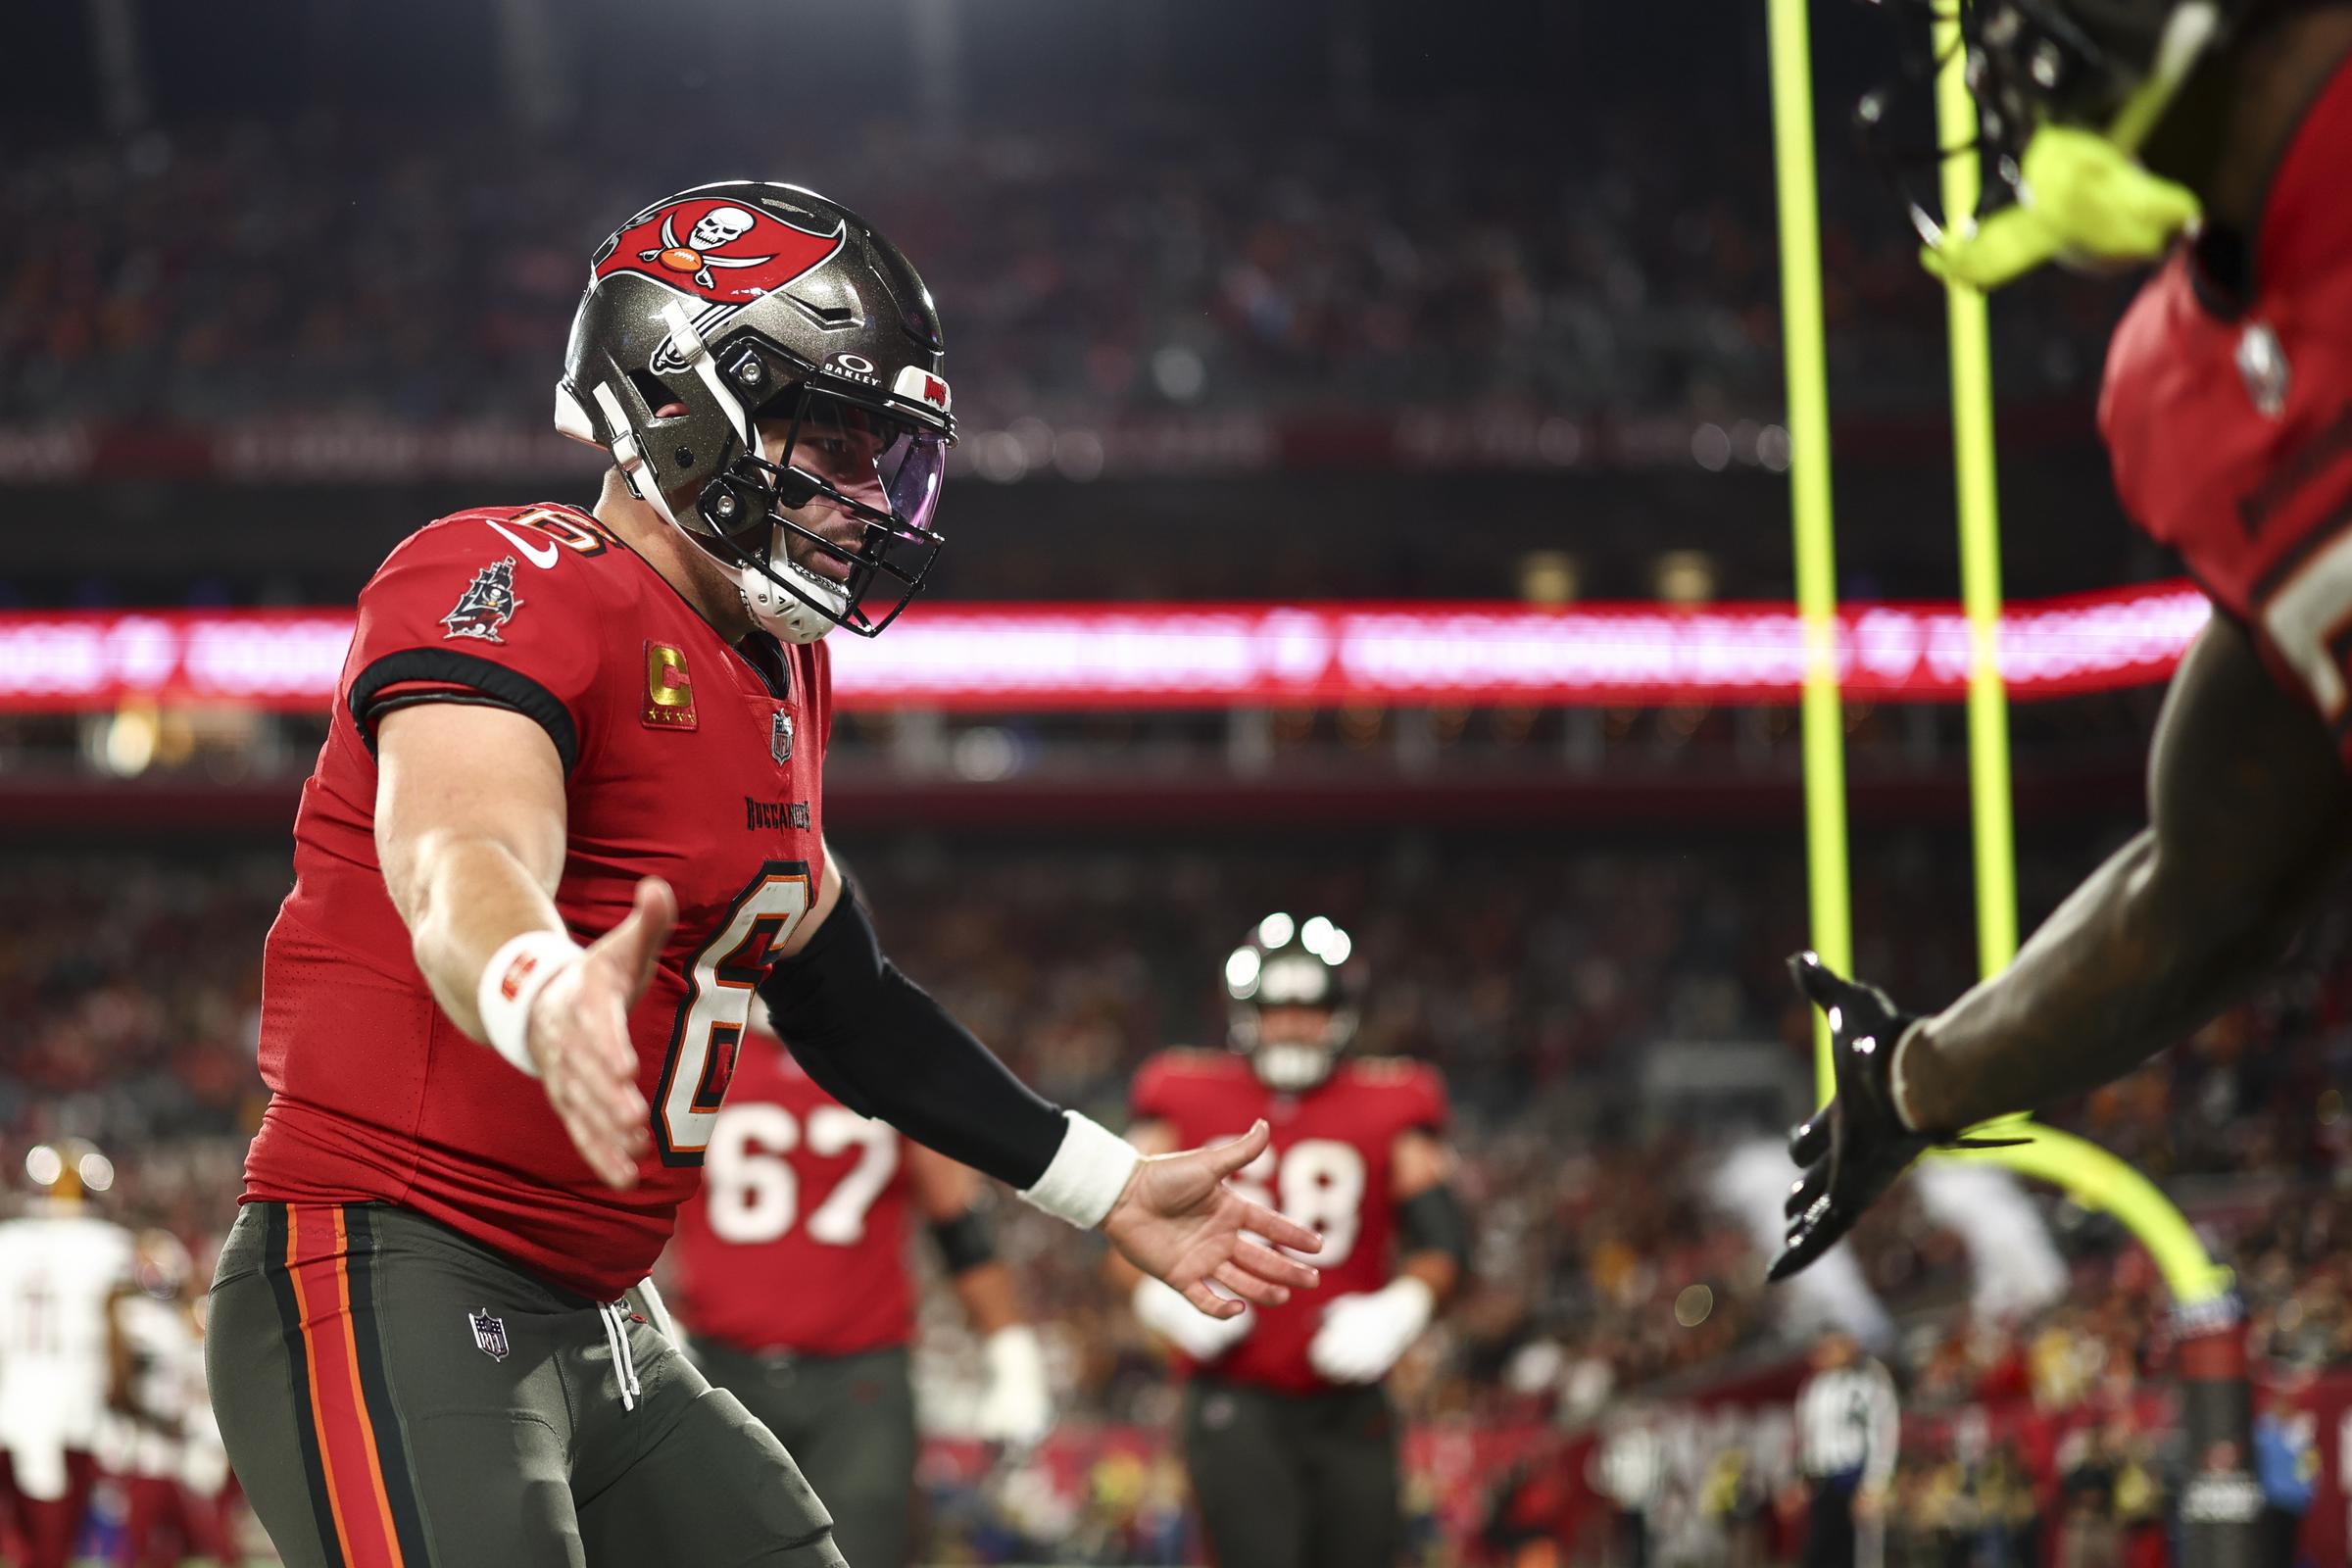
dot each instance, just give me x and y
(682, 758)
(796, 1240)
(1327, 1168)
(2231, 435)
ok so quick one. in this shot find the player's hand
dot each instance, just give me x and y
(1363, 1336)
(1178, 1221)
(1853, 1148)
(1018, 1405)
(579, 1037)
(1163, 1310)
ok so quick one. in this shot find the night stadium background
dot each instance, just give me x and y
(1371, 499)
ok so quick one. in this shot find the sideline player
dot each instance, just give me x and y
(2227, 414)
(567, 817)
(159, 1440)
(64, 1272)
(798, 1187)
(1289, 1438)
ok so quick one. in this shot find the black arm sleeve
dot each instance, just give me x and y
(1433, 1220)
(876, 1042)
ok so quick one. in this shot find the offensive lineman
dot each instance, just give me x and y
(65, 1273)
(798, 1187)
(2227, 413)
(1288, 1436)
(567, 817)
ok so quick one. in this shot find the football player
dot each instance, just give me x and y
(156, 1393)
(2227, 414)
(796, 1187)
(567, 819)
(1288, 1431)
(64, 1272)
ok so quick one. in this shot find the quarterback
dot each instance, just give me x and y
(2227, 415)
(567, 819)
(1289, 1439)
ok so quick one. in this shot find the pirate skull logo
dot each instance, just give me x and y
(721, 226)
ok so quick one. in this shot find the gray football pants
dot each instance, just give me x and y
(850, 1422)
(393, 1394)
(1295, 1480)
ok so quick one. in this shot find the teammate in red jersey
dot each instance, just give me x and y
(2227, 413)
(798, 1187)
(1288, 1436)
(566, 819)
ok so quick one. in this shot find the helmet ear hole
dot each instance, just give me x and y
(658, 400)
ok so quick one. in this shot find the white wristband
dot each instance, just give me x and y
(1089, 1172)
(512, 981)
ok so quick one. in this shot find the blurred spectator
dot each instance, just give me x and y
(1200, 258)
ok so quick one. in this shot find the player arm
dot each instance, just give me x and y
(2247, 805)
(470, 830)
(1433, 1230)
(1018, 1403)
(949, 1195)
(877, 1043)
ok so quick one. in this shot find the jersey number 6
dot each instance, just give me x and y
(718, 1006)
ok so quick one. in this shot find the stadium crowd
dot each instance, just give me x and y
(1541, 978)
(1186, 258)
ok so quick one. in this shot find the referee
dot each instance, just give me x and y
(1846, 1431)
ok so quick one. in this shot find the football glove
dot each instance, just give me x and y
(1018, 1405)
(1853, 1148)
(1363, 1336)
(1163, 1309)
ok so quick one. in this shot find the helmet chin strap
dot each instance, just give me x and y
(779, 611)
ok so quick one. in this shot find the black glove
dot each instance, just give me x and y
(1853, 1148)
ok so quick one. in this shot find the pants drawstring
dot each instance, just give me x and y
(625, 1359)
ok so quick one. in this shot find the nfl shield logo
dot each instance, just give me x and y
(779, 739)
(489, 1334)
(2262, 362)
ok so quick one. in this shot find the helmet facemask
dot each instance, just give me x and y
(1293, 972)
(850, 489)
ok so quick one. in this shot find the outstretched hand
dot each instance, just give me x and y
(1852, 1149)
(579, 1037)
(1179, 1222)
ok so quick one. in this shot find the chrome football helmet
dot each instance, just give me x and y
(743, 303)
(1288, 1005)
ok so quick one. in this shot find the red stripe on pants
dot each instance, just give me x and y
(317, 1254)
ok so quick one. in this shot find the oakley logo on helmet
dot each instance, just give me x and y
(731, 254)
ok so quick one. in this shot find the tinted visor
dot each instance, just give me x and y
(859, 488)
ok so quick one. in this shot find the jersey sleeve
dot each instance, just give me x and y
(1423, 1104)
(472, 611)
